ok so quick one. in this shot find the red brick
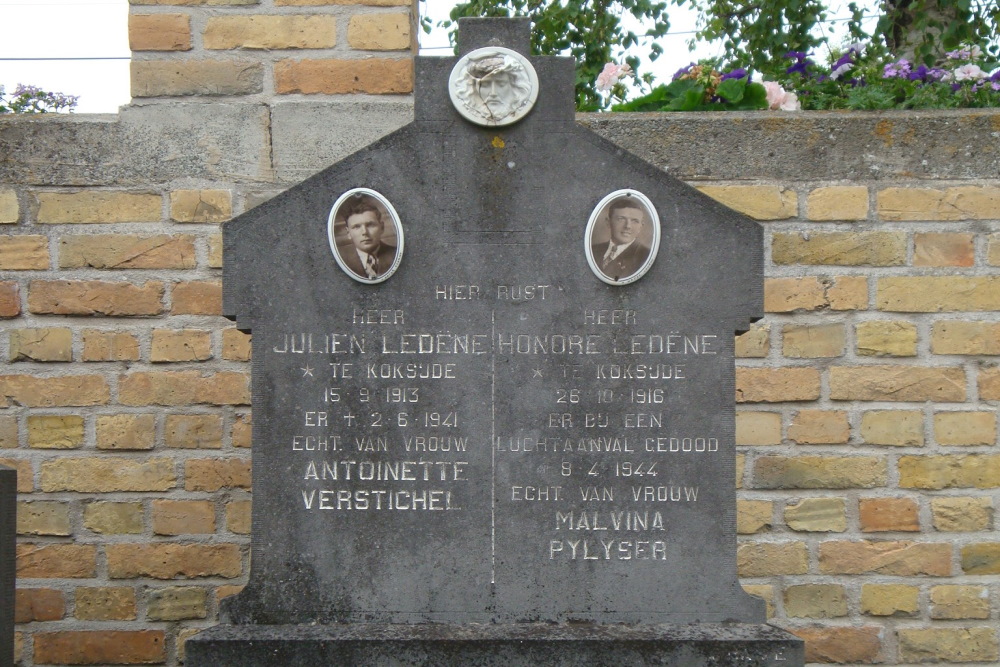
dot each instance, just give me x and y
(842, 644)
(55, 561)
(38, 604)
(92, 647)
(889, 514)
(171, 561)
(10, 299)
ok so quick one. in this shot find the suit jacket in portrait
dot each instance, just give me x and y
(625, 264)
(385, 255)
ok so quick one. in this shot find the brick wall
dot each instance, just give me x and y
(867, 426)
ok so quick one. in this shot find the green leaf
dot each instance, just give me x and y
(731, 90)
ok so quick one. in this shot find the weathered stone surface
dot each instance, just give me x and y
(819, 472)
(140, 145)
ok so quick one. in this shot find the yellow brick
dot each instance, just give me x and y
(948, 645)
(378, 76)
(10, 210)
(899, 428)
(178, 603)
(886, 338)
(947, 204)
(815, 601)
(180, 345)
(904, 559)
(758, 428)
(754, 343)
(193, 431)
(934, 249)
(380, 32)
(834, 203)
(770, 385)
(242, 431)
(127, 251)
(993, 250)
(55, 431)
(958, 337)
(210, 3)
(97, 207)
(819, 472)
(43, 518)
(8, 431)
(170, 561)
(159, 32)
(101, 345)
(113, 518)
(183, 517)
(813, 341)
(102, 475)
(24, 252)
(982, 558)
(817, 515)
(890, 600)
(881, 515)
(766, 559)
(238, 517)
(962, 514)
(290, 31)
(935, 294)
(235, 345)
(156, 78)
(989, 384)
(965, 428)
(753, 516)
(761, 202)
(819, 427)
(126, 431)
(981, 471)
(201, 205)
(840, 248)
(316, 3)
(55, 344)
(105, 604)
(63, 391)
(785, 295)
(956, 602)
(897, 383)
(183, 388)
(215, 251)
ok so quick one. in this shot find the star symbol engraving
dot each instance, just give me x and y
(307, 371)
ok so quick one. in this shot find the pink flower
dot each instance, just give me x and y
(611, 75)
(969, 72)
(779, 98)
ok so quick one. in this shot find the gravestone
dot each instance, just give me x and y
(493, 394)
(8, 529)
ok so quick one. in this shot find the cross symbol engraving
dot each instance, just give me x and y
(537, 373)
(350, 419)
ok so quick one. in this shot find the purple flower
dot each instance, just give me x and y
(897, 70)
(682, 71)
(738, 73)
(801, 64)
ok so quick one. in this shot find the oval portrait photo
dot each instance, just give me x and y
(365, 234)
(623, 237)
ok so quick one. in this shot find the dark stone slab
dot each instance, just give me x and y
(500, 646)
(497, 433)
(8, 530)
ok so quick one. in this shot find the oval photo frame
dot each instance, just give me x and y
(638, 232)
(376, 233)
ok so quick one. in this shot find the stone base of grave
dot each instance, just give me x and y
(489, 645)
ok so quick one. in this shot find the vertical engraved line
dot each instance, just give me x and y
(493, 448)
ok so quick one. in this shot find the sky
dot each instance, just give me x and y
(80, 47)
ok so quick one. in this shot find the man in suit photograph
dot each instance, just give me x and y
(624, 253)
(368, 256)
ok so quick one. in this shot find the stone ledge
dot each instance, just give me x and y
(495, 645)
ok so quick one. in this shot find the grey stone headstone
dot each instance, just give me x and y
(8, 528)
(493, 434)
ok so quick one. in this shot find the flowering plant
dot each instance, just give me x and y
(31, 99)
(857, 78)
(702, 87)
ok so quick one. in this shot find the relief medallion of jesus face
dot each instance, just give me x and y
(493, 86)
